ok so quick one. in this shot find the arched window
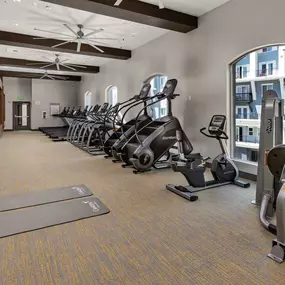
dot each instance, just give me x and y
(112, 95)
(88, 99)
(253, 74)
(157, 82)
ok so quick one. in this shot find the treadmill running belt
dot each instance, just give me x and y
(35, 198)
(30, 219)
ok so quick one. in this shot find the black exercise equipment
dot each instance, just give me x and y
(193, 166)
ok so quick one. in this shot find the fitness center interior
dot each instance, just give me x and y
(142, 142)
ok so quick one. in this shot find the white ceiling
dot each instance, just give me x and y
(23, 16)
(191, 7)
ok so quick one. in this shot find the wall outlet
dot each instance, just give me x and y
(189, 98)
(44, 114)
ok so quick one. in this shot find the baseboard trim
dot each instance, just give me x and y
(8, 130)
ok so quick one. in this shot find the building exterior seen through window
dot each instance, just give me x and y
(88, 99)
(159, 109)
(255, 73)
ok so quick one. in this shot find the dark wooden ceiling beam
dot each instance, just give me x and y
(28, 75)
(28, 64)
(135, 11)
(26, 41)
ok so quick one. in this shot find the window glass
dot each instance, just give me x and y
(159, 109)
(248, 97)
(88, 99)
(112, 95)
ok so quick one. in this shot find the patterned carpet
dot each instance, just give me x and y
(151, 236)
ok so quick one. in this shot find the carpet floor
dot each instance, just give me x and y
(150, 237)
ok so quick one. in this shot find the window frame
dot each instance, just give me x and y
(266, 84)
(86, 103)
(273, 62)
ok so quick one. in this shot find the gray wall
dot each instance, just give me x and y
(13, 88)
(43, 91)
(199, 60)
(47, 92)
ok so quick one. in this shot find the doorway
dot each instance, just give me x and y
(21, 116)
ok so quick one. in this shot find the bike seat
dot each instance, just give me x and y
(194, 156)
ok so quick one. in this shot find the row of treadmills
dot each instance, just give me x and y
(141, 142)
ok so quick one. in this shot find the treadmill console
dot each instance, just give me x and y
(145, 91)
(169, 87)
(217, 124)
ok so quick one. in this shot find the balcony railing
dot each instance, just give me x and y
(251, 116)
(247, 139)
(266, 72)
(243, 98)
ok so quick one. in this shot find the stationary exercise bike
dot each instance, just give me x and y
(193, 166)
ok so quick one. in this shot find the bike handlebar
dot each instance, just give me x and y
(217, 136)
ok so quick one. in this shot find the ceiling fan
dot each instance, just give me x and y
(159, 3)
(78, 37)
(58, 62)
(45, 75)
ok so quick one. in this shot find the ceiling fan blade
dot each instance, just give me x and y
(100, 43)
(110, 39)
(43, 67)
(160, 4)
(59, 77)
(79, 46)
(42, 77)
(91, 44)
(88, 20)
(75, 65)
(118, 2)
(36, 63)
(69, 28)
(57, 67)
(61, 44)
(68, 67)
(50, 38)
(64, 60)
(53, 33)
(93, 32)
(50, 60)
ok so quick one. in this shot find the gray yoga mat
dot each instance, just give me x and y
(30, 219)
(35, 198)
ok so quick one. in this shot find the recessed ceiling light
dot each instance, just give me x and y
(35, 3)
(18, 1)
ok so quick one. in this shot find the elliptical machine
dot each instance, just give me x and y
(149, 145)
(193, 166)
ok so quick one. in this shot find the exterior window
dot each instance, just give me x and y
(88, 99)
(159, 109)
(250, 131)
(268, 49)
(242, 71)
(242, 89)
(112, 95)
(242, 113)
(266, 68)
(266, 87)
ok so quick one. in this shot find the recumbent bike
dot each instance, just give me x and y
(193, 166)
